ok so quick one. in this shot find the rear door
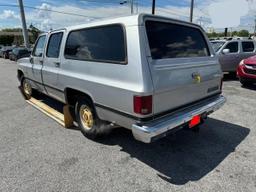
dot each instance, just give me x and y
(182, 67)
(248, 49)
(52, 63)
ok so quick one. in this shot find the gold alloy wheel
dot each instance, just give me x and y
(86, 117)
(27, 88)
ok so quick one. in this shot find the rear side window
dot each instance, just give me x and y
(167, 40)
(105, 43)
(232, 46)
(53, 48)
(248, 46)
(39, 47)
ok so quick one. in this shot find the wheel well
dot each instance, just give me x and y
(20, 74)
(72, 95)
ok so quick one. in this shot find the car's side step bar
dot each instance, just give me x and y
(65, 119)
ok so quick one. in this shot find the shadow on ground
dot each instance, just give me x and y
(230, 77)
(182, 157)
(250, 87)
(185, 156)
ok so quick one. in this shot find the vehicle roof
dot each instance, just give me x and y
(130, 20)
(7, 48)
(231, 40)
(20, 48)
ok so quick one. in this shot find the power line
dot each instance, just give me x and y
(42, 9)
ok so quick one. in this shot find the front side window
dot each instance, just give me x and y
(106, 43)
(53, 48)
(168, 40)
(232, 46)
(217, 45)
(248, 46)
(39, 47)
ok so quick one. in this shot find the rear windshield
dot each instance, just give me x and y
(167, 40)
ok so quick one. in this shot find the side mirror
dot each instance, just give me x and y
(225, 51)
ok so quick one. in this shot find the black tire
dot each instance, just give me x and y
(232, 75)
(26, 88)
(89, 129)
(245, 83)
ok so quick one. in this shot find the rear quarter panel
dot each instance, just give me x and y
(110, 85)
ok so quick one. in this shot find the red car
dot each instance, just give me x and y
(246, 71)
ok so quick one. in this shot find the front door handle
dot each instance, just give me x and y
(57, 64)
(41, 62)
(31, 60)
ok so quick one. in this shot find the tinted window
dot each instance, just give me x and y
(15, 51)
(248, 46)
(39, 48)
(233, 47)
(53, 48)
(97, 44)
(23, 51)
(168, 40)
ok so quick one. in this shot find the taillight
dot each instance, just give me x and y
(142, 104)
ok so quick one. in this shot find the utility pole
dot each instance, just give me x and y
(131, 2)
(153, 6)
(24, 25)
(191, 10)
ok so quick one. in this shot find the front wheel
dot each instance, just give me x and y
(90, 125)
(26, 88)
(245, 83)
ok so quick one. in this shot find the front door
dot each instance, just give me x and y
(36, 59)
(52, 63)
(229, 61)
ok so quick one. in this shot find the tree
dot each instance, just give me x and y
(35, 33)
(12, 30)
(234, 33)
(6, 39)
(243, 33)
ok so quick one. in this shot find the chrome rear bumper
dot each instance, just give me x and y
(147, 132)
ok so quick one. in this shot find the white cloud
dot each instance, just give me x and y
(209, 13)
(8, 14)
(46, 20)
(227, 13)
(44, 11)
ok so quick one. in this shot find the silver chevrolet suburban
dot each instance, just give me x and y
(149, 74)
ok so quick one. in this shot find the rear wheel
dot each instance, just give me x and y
(87, 119)
(26, 88)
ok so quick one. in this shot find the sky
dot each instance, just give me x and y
(211, 14)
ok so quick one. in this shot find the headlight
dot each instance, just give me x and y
(241, 63)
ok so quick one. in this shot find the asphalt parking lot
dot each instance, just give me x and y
(37, 154)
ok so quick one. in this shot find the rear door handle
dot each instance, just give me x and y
(57, 64)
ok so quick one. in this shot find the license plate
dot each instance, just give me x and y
(195, 121)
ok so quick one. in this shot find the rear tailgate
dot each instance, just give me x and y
(182, 68)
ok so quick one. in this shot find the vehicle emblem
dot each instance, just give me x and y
(196, 77)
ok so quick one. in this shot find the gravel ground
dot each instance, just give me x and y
(37, 154)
